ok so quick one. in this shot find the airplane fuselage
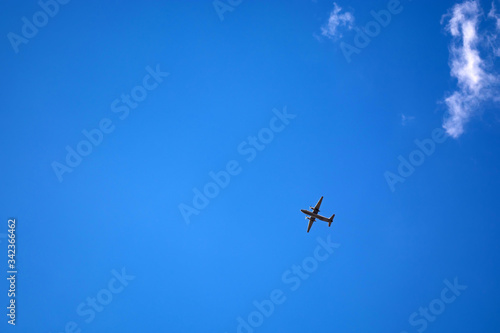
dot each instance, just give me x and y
(319, 217)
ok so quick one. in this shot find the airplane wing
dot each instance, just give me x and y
(316, 208)
(311, 221)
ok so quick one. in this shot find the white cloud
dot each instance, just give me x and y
(475, 84)
(493, 38)
(336, 20)
(493, 14)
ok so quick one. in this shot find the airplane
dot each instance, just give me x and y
(314, 215)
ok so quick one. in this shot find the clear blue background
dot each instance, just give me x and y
(119, 207)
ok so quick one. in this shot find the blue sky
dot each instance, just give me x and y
(263, 95)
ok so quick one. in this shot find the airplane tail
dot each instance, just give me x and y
(331, 220)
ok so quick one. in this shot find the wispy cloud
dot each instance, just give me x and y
(493, 14)
(493, 37)
(474, 84)
(336, 20)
